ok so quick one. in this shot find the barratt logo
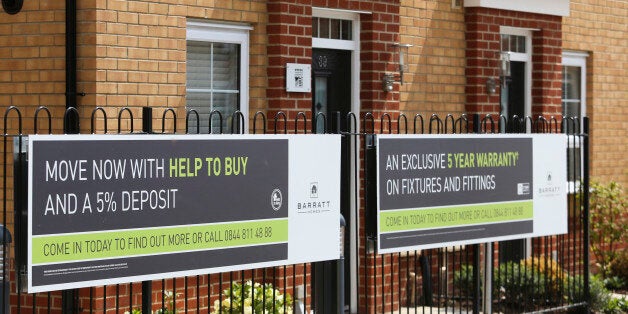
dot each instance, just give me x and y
(550, 187)
(313, 205)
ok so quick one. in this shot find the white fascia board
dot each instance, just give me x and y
(552, 7)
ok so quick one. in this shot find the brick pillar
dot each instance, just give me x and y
(380, 31)
(482, 53)
(547, 70)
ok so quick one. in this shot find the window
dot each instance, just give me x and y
(513, 43)
(574, 106)
(217, 74)
(330, 28)
(574, 84)
(571, 91)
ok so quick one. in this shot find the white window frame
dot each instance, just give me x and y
(231, 34)
(577, 59)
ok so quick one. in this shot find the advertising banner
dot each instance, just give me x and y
(436, 191)
(122, 208)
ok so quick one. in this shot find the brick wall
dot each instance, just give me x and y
(32, 57)
(133, 53)
(289, 41)
(435, 81)
(290, 33)
(601, 29)
(379, 31)
(130, 54)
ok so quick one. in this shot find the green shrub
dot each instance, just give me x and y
(616, 306)
(253, 298)
(619, 270)
(608, 221)
(614, 283)
(517, 285)
(553, 273)
(532, 282)
(600, 297)
(463, 280)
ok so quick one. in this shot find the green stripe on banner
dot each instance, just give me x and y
(125, 243)
(441, 217)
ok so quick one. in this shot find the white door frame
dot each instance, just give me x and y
(353, 46)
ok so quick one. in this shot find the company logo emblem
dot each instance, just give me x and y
(523, 188)
(313, 205)
(550, 188)
(314, 190)
(276, 199)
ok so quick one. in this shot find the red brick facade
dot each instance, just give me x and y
(290, 41)
(483, 48)
(379, 31)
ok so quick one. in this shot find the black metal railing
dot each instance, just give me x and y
(448, 279)
(552, 275)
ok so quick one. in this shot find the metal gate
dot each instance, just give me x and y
(477, 278)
